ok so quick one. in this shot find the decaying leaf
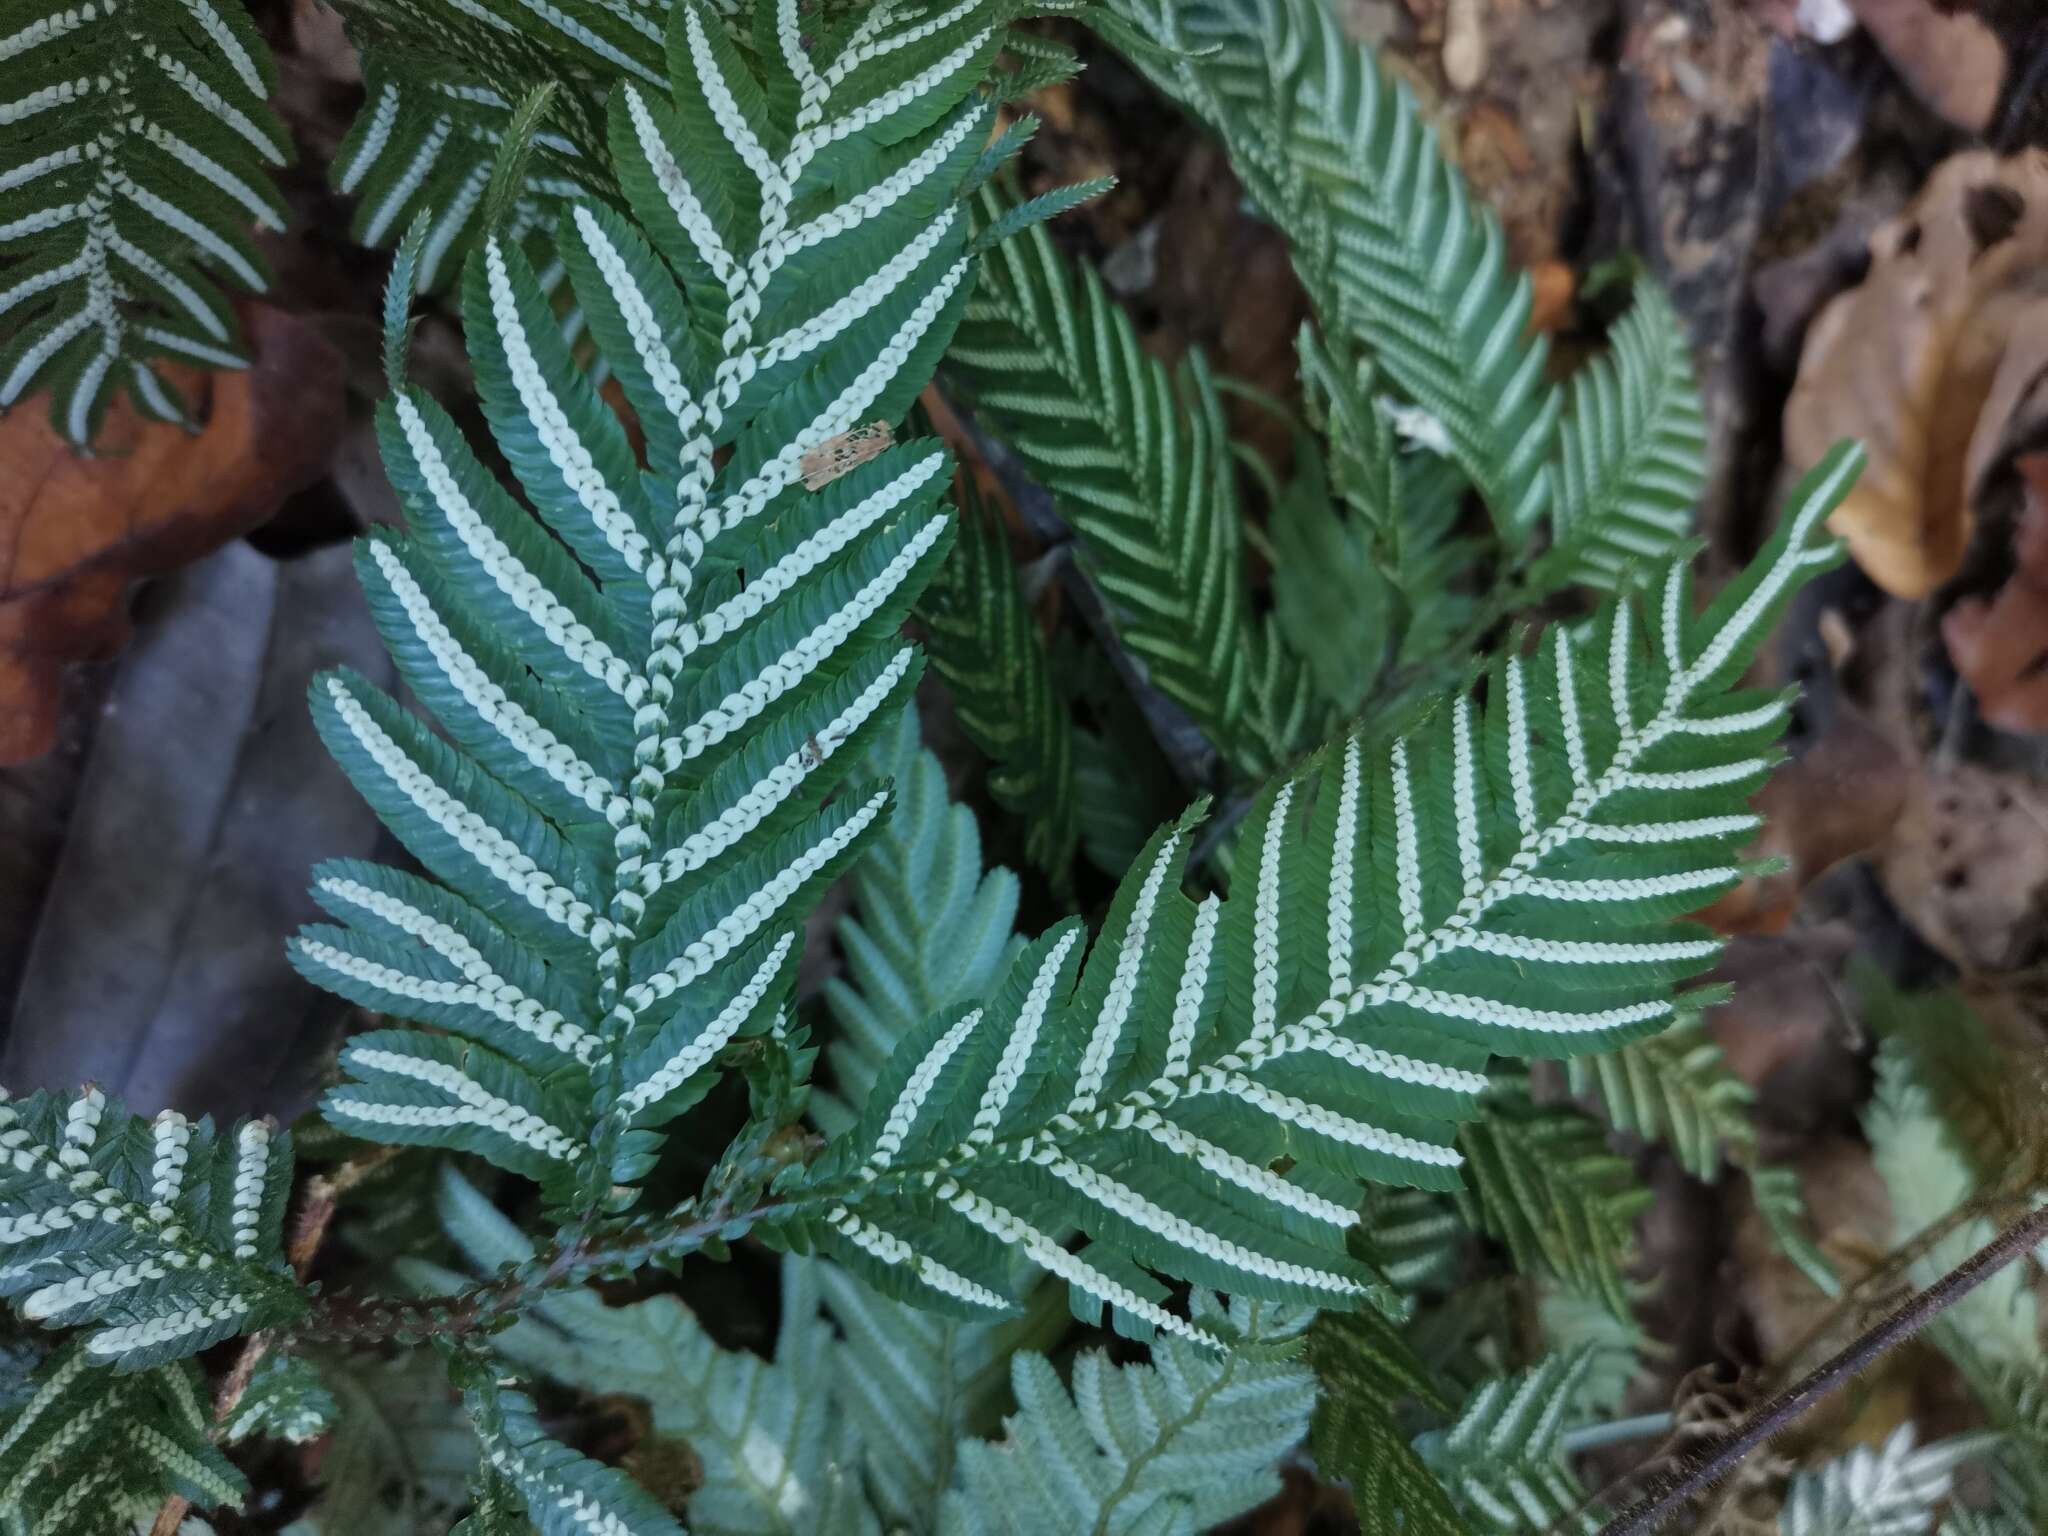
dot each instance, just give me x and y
(75, 532)
(1967, 866)
(1950, 56)
(2000, 644)
(845, 453)
(1906, 363)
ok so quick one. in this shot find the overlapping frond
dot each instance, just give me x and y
(930, 926)
(1399, 263)
(285, 1400)
(1503, 1459)
(652, 696)
(94, 1454)
(1632, 453)
(778, 1460)
(1402, 910)
(159, 1236)
(138, 152)
(1673, 1088)
(1543, 1182)
(1178, 1446)
(1891, 1490)
(1367, 1379)
(443, 77)
(1139, 465)
(565, 1493)
(987, 648)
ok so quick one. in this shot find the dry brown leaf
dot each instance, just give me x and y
(1906, 362)
(1837, 799)
(2000, 644)
(1967, 867)
(1952, 59)
(75, 532)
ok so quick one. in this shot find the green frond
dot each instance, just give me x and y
(1139, 465)
(91, 1453)
(1673, 1088)
(1542, 1180)
(1178, 1446)
(139, 152)
(986, 646)
(930, 926)
(779, 1454)
(285, 1400)
(442, 79)
(1401, 912)
(1632, 454)
(1893, 1490)
(565, 1492)
(652, 694)
(157, 1235)
(1927, 1175)
(1503, 1459)
(1573, 1321)
(402, 1453)
(1399, 263)
(1369, 1380)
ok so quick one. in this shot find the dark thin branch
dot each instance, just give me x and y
(1709, 1465)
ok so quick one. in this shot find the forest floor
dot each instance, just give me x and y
(1847, 200)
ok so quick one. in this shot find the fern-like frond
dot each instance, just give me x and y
(986, 646)
(565, 1493)
(1367, 1378)
(442, 78)
(1180, 1445)
(138, 152)
(89, 1453)
(1139, 465)
(1673, 1088)
(930, 925)
(158, 1235)
(285, 1400)
(1399, 263)
(779, 1459)
(1402, 910)
(1503, 1459)
(1542, 1180)
(1927, 1175)
(652, 696)
(1893, 1490)
(1632, 454)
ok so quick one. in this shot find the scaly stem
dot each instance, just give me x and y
(1709, 1465)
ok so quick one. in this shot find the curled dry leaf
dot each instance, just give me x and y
(2000, 644)
(1906, 362)
(75, 532)
(1949, 56)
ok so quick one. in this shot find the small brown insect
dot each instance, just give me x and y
(840, 455)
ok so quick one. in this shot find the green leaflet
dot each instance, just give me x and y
(92, 1454)
(1140, 467)
(1892, 1490)
(401, 1454)
(158, 1234)
(930, 926)
(653, 696)
(986, 646)
(1542, 1180)
(1503, 1458)
(139, 152)
(285, 1400)
(1168, 1449)
(442, 81)
(1402, 910)
(1398, 261)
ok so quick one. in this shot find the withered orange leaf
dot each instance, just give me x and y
(75, 532)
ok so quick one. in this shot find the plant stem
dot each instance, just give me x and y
(1591, 1437)
(1711, 1464)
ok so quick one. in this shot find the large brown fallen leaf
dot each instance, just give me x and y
(158, 967)
(1967, 867)
(2000, 644)
(76, 532)
(1906, 362)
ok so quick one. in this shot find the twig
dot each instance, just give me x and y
(1709, 1466)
